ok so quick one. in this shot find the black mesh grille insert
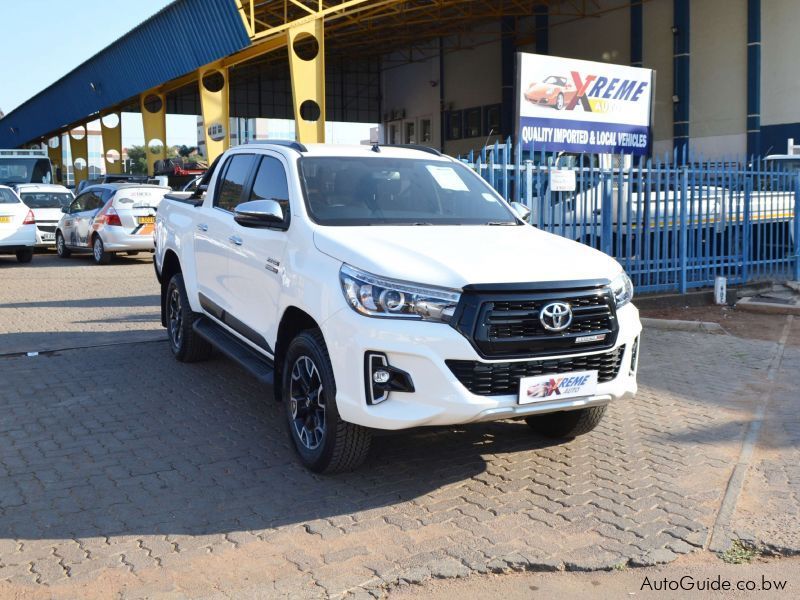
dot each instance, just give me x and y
(496, 379)
(508, 324)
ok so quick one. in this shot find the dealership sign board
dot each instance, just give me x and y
(573, 105)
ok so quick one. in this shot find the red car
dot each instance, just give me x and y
(555, 91)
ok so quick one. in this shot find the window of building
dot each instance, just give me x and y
(425, 131)
(410, 138)
(473, 122)
(491, 120)
(454, 125)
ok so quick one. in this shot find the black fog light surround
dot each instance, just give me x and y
(380, 378)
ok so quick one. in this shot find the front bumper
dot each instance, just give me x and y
(421, 349)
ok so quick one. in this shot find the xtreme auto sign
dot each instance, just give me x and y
(581, 106)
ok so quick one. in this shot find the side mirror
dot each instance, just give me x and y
(259, 213)
(523, 212)
(65, 209)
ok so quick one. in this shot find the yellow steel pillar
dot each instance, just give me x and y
(111, 127)
(54, 151)
(154, 120)
(79, 146)
(215, 104)
(307, 64)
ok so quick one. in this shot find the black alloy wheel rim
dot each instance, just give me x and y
(307, 403)
(175, 317)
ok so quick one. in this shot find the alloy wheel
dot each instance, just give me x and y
(175, 317)
(307, 404)
(98, 249)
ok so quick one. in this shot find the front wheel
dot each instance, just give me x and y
(324, 442)
(25, 255)
(567, 423)
(560, 102)
(101, 257)
(61, 246)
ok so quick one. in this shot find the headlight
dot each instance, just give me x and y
(622, 288)
(379, 297)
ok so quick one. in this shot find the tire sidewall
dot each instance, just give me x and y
(176, 282)
(61, 245)
(305, 344)
(95, 241)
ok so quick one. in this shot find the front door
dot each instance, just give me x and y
(257, 260)
(78, 223)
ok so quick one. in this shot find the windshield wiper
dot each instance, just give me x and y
(499, 223)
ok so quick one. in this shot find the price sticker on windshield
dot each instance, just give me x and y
(447, 178)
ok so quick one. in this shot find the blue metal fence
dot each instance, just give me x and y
(673, 223)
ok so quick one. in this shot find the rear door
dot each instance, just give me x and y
(80, 221)
(214, 237)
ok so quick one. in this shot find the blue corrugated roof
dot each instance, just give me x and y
(179, 39)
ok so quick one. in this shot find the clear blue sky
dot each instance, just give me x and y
(42, 40)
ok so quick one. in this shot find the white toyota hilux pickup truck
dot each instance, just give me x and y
(386, 287)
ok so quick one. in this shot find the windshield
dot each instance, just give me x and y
(46, 199)
(391, 191)
(25, 170)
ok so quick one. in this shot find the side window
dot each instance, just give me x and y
(234, 177)
(93, 200)
(270, 184)
(78, 203)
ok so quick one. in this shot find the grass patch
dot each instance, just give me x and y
(739, 553)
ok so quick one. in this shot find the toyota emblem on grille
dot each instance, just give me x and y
(556, 316)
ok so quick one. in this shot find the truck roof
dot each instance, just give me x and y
(362, 150)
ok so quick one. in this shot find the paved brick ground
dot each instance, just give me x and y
(124, 471)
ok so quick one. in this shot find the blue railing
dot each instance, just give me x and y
(673, 223)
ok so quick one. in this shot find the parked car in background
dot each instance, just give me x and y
(116, 178)
(110, 218)
(46, 202)
(17, 226)
(556, 91)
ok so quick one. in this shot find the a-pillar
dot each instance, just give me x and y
(111, 127)
(79, 152)
(307, 65)
(215, 105)
(154, 120)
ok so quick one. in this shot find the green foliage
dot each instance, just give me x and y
(739, 553)
(138, 160)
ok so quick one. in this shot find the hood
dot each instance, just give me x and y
(455, 256)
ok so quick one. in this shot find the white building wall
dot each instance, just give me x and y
(780, 49)
(657, 54)
(718, 78)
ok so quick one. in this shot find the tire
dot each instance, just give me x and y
(324, 442)
(101, 257)
(560, 102)
(61, 246)
(567, 424)
(184, 342)
(25, 255)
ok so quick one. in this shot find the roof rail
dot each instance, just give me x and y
(289, 144)
(419, 147)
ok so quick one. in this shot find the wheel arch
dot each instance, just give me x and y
(293, 322)
(170, 266)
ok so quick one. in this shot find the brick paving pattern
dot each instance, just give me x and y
(119, 465)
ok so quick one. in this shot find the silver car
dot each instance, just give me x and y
(110, 218)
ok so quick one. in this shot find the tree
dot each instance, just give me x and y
(138, 160)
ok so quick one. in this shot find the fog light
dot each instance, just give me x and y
(380, 378)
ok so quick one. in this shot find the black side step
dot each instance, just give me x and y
(261, 367)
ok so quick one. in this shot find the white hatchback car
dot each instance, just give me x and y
(110, 218)
(46, 201)
(17, 226)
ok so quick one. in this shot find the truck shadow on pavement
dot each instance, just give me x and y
(123, 440)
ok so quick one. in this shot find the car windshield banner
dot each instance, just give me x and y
(573, 105)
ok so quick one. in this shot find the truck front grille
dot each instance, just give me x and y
(497, 379)
(508, 325)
